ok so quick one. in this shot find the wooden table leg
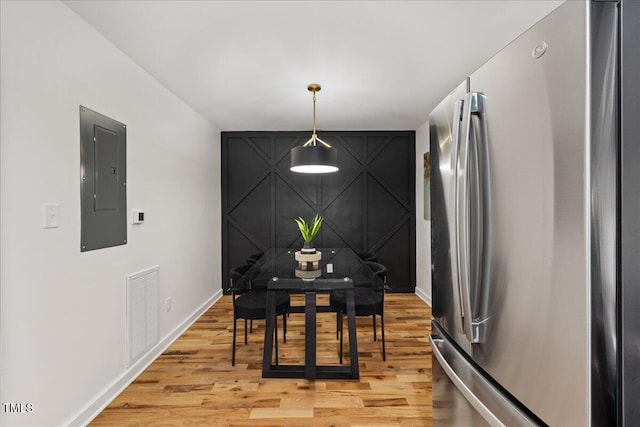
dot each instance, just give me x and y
(353, 345)
(267, 354)
(310, 370)
(310, 336)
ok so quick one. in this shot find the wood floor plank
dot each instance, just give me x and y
(315, 399)
(194, 384)
(277, 413)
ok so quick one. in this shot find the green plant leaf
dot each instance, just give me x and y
(304, 229)
(308, 231)
(315, 225)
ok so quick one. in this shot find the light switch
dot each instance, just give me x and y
(51, 215)
(329, 268)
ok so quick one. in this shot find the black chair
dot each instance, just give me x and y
(252, 259)
(364, 256)
(250, 303)
(369, 301)
(368, 256)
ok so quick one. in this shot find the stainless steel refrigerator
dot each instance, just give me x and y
(535, 224)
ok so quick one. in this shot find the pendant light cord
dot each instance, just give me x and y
(314, 136)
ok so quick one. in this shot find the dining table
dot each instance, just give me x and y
(325, 271)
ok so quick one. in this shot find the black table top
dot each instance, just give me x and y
(316, 285)
(335, 263)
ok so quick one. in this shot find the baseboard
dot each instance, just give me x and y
(111, 392)
(423, 296)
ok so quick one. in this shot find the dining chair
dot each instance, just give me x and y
(364, 256)
(253, 258)
(250, 303)
(369, 301)
(368, 256)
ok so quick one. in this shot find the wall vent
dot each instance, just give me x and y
(142, 312)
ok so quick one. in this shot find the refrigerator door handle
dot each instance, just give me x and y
(458, 310)
(470, 252)
(462, 215)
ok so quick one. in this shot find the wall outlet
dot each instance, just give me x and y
(167, 305)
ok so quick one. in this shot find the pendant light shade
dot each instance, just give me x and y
(313, 157)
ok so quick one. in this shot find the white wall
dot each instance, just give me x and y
(63, 346)
(423, 227)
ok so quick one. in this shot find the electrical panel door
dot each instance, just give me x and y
(103, 181)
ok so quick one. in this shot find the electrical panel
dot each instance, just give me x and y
(103, 181)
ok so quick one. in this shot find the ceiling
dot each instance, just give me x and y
(245, 65)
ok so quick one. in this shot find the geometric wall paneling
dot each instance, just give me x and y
(396, 254)
(244, 212)
(331, 239)
(353, 143)
(391, 209)
(397, 183)
(369, 204)
(241, 180)
(283, 143)
(384, 211)
(305, 187)
(345, 212)
(305, 184)
(376, 143)
(335, 185)
(239, 246)
(262, 143)
(350, 169)
(290, 204)
(280, 148)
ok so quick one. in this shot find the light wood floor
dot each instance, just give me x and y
(194, 384)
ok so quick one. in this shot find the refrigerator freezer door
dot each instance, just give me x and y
(630, 226)
(444, 136)
(463, 397)
(536, 329)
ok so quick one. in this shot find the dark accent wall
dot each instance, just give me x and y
(368, 205)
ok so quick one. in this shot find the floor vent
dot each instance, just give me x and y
(142, 312)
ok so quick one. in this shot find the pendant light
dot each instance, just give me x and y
(313, 157)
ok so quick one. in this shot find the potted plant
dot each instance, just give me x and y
(308, 231)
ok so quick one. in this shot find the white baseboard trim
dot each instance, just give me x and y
(423, 296)
(103, 400)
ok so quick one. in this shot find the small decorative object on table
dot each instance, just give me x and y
(308, 258)
(307, 275)
(308, 261)
(308, 232)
